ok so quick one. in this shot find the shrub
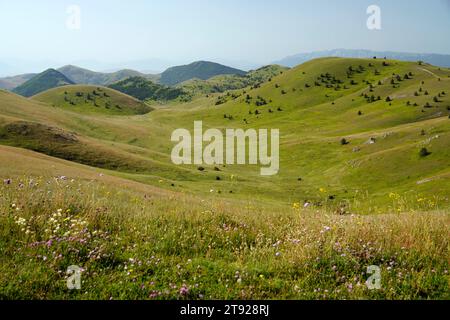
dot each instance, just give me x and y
(424, 152)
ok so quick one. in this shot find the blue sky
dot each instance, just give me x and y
(157, 33)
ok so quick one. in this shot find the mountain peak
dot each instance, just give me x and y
(48, 79)
(199, 69)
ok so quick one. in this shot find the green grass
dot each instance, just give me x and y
(385, 204)
(144, 89)
(224, 83)
(93, 99)
(136, 242)
(359, 176)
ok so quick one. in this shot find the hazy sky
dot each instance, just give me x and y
(245, 32)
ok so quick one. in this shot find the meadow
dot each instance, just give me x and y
(134, 244)
(89, 182)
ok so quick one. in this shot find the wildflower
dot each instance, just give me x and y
(184, 290)
(322, 190)
(296, 206)
(21, 221)
(277, 254)
(394, 195)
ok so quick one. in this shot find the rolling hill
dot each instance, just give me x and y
(441, 60)
(41, 82)
(81, 182)
(92, 99)
(386, 110)
(224, 83)
(144, 89)
(201, 70)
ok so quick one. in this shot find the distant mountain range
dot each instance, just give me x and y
(440, 60)
(85, 76)
(9, 83)
(29, 84)
(48, 79)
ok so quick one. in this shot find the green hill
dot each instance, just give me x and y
(144, 89)
(224, 83)
(355, 188)
(41, 82)
(386, 111)
(201, 70)
(84, 76)
(93, 99)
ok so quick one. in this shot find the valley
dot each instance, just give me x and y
(364, 179)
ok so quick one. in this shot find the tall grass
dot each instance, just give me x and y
(133, 245)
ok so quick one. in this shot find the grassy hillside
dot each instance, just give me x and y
(315, 106)
(224, 83)
(135, 241)
(201, 70)
(84, 76)
(144, 89)
(41, 82)
(143, 228)
(93, 99)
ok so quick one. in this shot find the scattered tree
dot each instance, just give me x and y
(424, 152)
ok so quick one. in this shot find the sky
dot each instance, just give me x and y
(152, 35)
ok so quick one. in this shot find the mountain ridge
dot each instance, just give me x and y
(441, 60)
(43, 81)
(199, 69)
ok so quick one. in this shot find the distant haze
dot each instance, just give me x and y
(440, 60)
(150, 36)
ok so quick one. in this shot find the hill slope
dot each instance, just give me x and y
(441, 60)
(144, 89)
(224, 83)
(386, 111)
(201, 70)
(41, 82)
(92, 99)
